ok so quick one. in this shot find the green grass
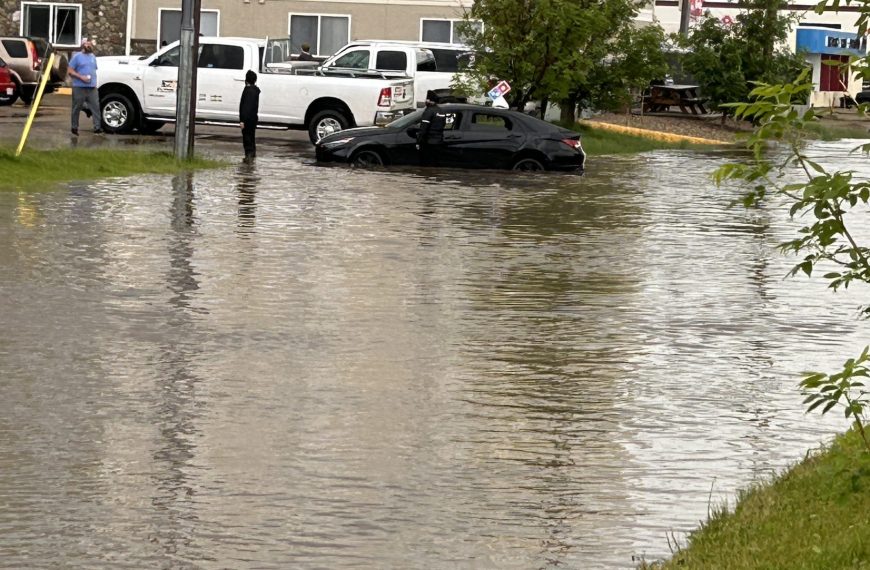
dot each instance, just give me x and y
(598, 142)
(828, 132)
(815, 516)
(46, 168)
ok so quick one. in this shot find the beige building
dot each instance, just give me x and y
(324, 25)
(141, 26)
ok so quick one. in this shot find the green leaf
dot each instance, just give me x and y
(815, 166)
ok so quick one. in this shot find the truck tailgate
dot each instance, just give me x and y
(403, 93)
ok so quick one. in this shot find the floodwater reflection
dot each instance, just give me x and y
(280, 366)
(247, 179)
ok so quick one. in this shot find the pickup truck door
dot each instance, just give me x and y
(160, 82)
(220, 79)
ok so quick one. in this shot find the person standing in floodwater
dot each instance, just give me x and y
(431, 133)
(249, 106)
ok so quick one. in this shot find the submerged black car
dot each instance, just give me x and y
(474, 137)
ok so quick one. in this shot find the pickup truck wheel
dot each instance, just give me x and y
(367, 158)
(117, 113)
(325, 123)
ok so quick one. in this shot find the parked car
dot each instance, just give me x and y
(474, 137)
(24, 57)
(7, 86)
(141, 93)
(862, 97)
(432, 65)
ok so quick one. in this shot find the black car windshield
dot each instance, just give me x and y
(407, 120)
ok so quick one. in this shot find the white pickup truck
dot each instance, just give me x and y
(140, 93)
(431, 65)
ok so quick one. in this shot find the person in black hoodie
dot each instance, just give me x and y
(248, 107)
(431, 132)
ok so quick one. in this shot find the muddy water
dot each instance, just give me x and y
(284, 366)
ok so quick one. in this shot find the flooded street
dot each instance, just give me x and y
(284, 366)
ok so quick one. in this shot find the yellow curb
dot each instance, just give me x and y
(63, 90)
(658, 135)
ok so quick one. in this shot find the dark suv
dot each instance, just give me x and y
(24, 57)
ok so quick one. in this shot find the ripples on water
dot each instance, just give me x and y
(283, 366)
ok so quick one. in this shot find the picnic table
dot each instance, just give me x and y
(662, 97)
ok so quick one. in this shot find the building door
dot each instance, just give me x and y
(833, 77)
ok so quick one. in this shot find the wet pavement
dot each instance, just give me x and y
(51, 129)
(276, 365)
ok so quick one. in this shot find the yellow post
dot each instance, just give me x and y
(45, 73)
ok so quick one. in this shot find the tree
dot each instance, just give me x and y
(725, 60)
(627, 63)
(543, 48)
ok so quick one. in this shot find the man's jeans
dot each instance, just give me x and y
(80, 96)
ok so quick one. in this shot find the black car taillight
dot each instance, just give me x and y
(573, 143)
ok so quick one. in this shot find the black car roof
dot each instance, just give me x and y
(473, 107)
(526, 119)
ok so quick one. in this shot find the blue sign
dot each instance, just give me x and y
(832, 42)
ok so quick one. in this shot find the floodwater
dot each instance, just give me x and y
(284, 366)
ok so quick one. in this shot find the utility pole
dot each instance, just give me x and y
(684, 18)
(185, 101)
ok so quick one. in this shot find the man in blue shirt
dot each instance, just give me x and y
(83, 70)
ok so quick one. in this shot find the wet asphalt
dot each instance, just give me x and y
(51, 129)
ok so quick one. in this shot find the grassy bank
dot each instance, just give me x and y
(42, 168)
(597, 142)
(816, 516)
(830, 131)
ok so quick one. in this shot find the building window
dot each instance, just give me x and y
(833, 77)
(445, 31)
(60, 24)
(169, 25)
(324, 33)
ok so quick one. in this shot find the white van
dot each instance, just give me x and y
(432, 65)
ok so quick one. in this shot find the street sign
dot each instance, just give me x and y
(499, 90)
